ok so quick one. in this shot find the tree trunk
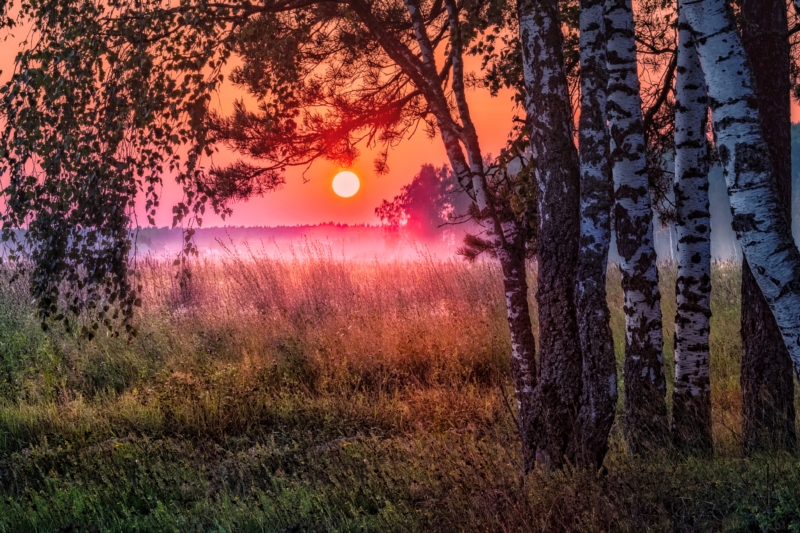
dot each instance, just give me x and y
(508, 237)
(691, 399)
(557, 171)
(645, 385)
(759, 223)
(768, 414)
(599, 395)
(523, 344)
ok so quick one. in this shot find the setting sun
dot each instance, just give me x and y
(346, 184)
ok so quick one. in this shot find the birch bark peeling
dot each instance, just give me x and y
(691, 399)
(557, 171)
(645, 385)
(760, 226)
(599, 394)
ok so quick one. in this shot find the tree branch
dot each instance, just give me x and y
(662, 96)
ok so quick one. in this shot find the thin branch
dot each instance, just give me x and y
(662, 96)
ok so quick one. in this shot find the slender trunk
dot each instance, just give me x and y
(509, 244)
(768, 414)
(557, 396)
(691, 399)
(761, 227)
(508, 237)
(523, 344)
(599, 395)
(645, 385)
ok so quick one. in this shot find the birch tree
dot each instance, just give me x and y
(599, 394)
(549, 120)
(645, 385)
(768, 412)
(691, 399)
(760, 226)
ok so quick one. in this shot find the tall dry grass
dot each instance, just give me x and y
(314, 393)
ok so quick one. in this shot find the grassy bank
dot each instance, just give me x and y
(315, 394)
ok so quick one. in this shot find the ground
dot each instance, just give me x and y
(315, 394)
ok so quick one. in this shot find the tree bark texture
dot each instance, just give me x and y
(524, 371)
(599, 395)
(691, 398)
(759, 223)
(645, 386)
(557, 171)
(768, 413)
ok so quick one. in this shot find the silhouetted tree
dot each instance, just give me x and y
(425, 206)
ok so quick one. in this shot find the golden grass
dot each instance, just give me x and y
(312, 393)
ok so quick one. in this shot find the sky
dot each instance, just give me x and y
(307, 197)
(312, 200)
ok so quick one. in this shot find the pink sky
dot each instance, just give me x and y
(313, 201)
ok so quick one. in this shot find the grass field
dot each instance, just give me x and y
(312, 394)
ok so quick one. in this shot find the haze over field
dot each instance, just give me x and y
(371, 241)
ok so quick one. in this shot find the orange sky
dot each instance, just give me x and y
(314, 201)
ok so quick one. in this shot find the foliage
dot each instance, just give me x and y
(424, 206)
(105, 99)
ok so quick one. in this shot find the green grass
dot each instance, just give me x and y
(313, 394)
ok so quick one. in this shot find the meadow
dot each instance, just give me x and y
(315, 394)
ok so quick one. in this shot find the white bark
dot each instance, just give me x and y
(645, 385)
(693, 224)
(760, 226)
(599, 394)
(692, 394)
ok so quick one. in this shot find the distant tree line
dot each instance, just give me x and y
(157, 240)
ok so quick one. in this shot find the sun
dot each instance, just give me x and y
(346, 184)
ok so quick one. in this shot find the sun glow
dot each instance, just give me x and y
(346, 184)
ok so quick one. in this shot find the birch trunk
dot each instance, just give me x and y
(768, 412)
(557, 396)
(523, 345)
(509, 243)
(761, 227)
(691, 399)
(645, 386)
(459, 134)
(599, 395)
